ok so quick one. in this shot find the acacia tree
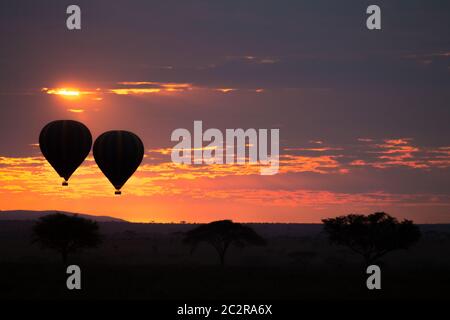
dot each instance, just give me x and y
(371, 236)
(221, 235)
(66, 234)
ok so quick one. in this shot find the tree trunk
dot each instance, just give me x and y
(222, 258)
(64, 257)
(368, 259)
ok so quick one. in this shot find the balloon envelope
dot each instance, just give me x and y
(118, 154)
(65, 144)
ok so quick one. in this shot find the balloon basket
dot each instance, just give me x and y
(118, 192)
(65, 184)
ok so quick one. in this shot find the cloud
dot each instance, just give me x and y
(309, 179)
(33, 175)
(402, 153)
(253, 59)
(157, 172)
(139, 88)
(429, 58)
(323, 199)
(76, 110)
(225, 90)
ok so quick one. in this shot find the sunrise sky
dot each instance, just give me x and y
(363, 115)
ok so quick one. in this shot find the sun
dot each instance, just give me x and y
(68, 92)
(65, 92)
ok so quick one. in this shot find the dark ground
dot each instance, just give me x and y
(148, 261)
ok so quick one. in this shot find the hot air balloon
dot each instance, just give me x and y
(65, 144)
(118, 154)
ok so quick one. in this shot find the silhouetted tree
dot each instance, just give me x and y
(66, 234)
(371, 236)
(222, 234)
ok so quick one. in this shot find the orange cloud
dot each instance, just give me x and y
(287, 164)
(134, 91)
(164, 186)
(125, 88)
(67, 92)
(170, 189)
(76, 110)
(401, 153)
(225, 90)
(313, 198)
(136, 88)
(34, 174)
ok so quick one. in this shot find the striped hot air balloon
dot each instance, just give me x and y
(118, 154)
(65, 144)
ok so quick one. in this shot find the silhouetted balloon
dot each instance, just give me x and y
(65, 144)
(118, 154)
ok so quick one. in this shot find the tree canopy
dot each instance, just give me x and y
(66, 234)
(222, 234)
(371, 236)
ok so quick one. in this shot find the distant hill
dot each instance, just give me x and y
(22, 215)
